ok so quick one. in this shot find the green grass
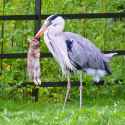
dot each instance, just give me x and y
(102, 106)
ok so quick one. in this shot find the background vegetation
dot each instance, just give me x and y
(104, 105)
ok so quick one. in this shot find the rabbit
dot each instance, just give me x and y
(33, 61)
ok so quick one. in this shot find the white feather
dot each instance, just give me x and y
(108, 56)
(96, 74)
(60, 50)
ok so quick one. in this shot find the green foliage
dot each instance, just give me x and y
(107, 34)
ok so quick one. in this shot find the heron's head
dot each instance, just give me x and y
(53, 22)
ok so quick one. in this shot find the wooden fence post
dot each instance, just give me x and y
(35, 94)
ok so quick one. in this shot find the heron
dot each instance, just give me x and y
(73, 52)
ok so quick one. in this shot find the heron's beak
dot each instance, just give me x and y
(41, 31)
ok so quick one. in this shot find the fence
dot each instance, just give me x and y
(37, 18)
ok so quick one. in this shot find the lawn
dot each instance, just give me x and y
(102, 106)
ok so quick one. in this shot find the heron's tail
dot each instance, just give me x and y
(108, 57)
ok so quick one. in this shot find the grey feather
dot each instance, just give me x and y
(84, 54)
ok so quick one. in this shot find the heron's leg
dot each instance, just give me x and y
(81, 88)
(68, 90)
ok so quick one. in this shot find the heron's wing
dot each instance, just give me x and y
(83, 54)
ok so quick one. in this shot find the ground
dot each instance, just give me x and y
(103, 106)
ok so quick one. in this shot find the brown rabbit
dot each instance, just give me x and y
(33, 61)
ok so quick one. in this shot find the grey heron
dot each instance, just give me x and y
(73, 52)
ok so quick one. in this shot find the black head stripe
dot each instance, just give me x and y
(52, 17)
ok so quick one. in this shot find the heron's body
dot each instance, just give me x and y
(73, 52)
(81, 54)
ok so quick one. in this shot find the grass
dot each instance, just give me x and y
(102, 106)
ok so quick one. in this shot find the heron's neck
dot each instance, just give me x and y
(55, 30)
